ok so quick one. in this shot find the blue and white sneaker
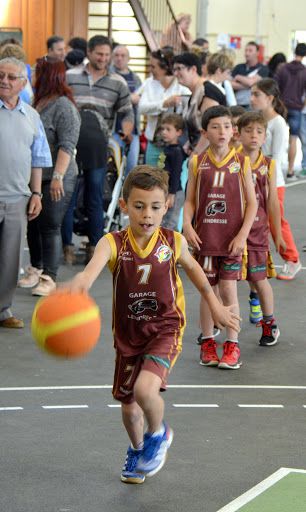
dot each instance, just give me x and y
(129, 473)
(154, 452)
(255, 311)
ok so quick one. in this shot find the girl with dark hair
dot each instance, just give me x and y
(276, 61)
(265, 96)
(54, 101)
(160, 94)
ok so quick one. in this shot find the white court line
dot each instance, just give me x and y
(65, 406)
(295, 183)
(196, 405)
(11, 408)
(245, 498)
(113, 406)
(261, 406)
(170, 386)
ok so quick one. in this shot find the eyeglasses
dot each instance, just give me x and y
(10, 77)
(178, 68)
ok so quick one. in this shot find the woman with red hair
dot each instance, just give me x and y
(54, 101)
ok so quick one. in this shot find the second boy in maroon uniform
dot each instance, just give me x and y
(252, 128)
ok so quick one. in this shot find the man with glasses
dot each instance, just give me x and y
(24, 151)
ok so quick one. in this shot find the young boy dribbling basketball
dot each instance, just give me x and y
(222, 205)
(148, 313)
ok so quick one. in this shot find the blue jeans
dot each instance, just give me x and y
(303, 139)
(93, 203)
(133, 154)
(294, 119)
(171, 219)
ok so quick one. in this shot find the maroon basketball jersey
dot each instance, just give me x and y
(262, 169)
(148, 297)
(220, 200)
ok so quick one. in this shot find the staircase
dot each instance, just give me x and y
(154, 16)
(138, 24)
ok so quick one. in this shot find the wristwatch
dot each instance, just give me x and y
(57, 176)
(37, 194)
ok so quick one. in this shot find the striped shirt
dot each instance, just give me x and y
(109, 94)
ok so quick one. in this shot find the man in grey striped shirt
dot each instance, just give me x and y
(94, 86)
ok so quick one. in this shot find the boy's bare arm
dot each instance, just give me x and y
(189, 209)
(83, 281)
(222, 315)
(237, 245)
(274, 213)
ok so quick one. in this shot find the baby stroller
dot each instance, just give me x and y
(114, 219)
(115, 173)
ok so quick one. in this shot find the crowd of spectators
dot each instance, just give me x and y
(79, 95)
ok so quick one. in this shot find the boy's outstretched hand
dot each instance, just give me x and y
(223, 316)
(79, 284)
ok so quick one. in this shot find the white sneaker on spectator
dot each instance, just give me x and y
(289, 270)
(31, 277)
(45, 286)
(291, 178)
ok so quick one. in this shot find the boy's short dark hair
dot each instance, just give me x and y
(300, 50)
(78, 43)
(249, 118)
(214, 112)
(98, 41)
(188, 59)
(53, 40)
(145, 177)
(175, 120)
(237, 110)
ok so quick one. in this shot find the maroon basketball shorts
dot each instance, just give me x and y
(258, 266)
(221, 267)
(158, 357)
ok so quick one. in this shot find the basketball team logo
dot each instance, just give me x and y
(234, 167)
(215, 207)
(163, 253)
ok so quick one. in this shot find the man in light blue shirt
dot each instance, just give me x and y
(24, 150)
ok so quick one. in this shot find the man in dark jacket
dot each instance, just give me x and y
(291, 79)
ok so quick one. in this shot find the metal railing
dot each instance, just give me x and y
(157, 21)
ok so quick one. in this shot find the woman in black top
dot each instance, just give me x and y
(205, 94)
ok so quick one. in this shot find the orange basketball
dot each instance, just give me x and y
(66, 324)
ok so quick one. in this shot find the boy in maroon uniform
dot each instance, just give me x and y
(222, 204)
(148, 313)
(252, 128)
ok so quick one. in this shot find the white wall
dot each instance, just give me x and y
(276, 21)
(190, 7)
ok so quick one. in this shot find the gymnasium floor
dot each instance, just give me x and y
(62, 444)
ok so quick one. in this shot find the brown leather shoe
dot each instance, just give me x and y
(69, 255)
(12, 323)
